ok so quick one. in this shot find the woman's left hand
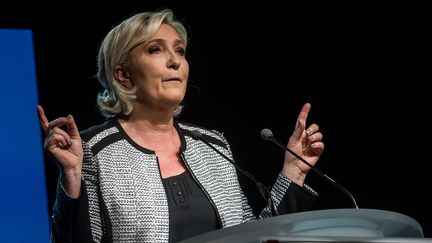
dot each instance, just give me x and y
(307, 143)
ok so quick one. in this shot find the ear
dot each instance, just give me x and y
(122, 75)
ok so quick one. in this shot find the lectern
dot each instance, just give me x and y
(332, 225)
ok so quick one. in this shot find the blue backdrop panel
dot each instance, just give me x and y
(23, 205)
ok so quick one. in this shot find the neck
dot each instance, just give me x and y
(146, 119)
(148, 126)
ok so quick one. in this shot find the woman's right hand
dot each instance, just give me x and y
(66, 147)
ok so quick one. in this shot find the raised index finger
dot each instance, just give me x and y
(301, 121)
(42, 118)
(304, 112)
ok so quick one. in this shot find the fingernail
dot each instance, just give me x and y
(308, 132)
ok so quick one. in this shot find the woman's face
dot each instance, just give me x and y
(159, 70)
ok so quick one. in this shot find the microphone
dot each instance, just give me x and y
(267, 135)
(262, 189)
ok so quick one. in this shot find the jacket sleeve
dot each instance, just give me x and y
(70, 220)
(80, 220)
(288, 197)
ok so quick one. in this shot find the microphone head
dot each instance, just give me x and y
(266, 134)
(196, 134)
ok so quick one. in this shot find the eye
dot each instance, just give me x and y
(181, 51)
(154, 49)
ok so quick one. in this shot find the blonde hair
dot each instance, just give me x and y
(115, 49)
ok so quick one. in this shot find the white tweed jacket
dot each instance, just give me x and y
(123, 196)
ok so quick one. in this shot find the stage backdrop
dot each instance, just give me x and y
(23, 204)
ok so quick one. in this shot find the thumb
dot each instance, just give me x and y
(72, 127)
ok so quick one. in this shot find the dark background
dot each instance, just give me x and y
(362, 67)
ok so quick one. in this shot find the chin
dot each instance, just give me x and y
(175, 99)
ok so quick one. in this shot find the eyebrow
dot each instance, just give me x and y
(176, 42)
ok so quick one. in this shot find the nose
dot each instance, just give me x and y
(175, 65)
(174, 61)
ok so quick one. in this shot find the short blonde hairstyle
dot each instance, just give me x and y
(115, 50)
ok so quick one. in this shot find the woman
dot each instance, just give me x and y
(141, 176)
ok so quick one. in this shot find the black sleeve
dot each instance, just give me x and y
(70, 219)
(297, 199)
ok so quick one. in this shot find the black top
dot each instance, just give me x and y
(190, 211)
